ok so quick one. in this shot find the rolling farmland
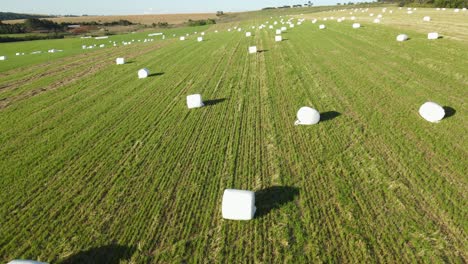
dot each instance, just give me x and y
(97, 165)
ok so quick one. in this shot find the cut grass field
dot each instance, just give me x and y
(98, 165)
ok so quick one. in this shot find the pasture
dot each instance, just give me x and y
(96, 164)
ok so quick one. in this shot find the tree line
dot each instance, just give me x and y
(35, 24)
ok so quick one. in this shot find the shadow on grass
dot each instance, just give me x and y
(156, 74)
(273, 198)
(110, 254)
(262, 51)
(449, 112)
(214, 101)
(330, 115)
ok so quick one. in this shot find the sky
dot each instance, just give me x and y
(127, 7)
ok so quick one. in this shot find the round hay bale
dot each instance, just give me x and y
(432, 112)
(307, 116)
(402, 37)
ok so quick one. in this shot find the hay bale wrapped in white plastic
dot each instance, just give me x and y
(402, 37)
(427, 18)
(3, 58)
(433, 35)
(203, 33)
(194, 101)
(120, 61)
(248, 34)
(353, 18)
(278, 38)
(253, 49)
(356, 25)
(143, 73)
(25, 261)
(182, 38)
(284, 29)
(291, 25)
(376, 20)
(322, 26)
(314, 21)
(307, 116)
(238, 204)
(200, 39)
(432, 112)
(278, 32)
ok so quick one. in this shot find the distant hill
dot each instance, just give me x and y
(12, 16)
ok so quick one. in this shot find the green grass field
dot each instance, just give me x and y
(98, 166)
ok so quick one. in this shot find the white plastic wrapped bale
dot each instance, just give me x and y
(433, 35)
(238, 204)
(194, 101)
(120, 61)
(278, 38)
(427, 18)
(278, 32)
(314, 21)
(307, 116)
(203, 33)
(2, 58)
(376, 20)
(25, 261)
(253, 49)
(248, 34)
(283, 29)
(182, 38)
(432, 112)
(143, 73)
(322, 26)
(199, 39)
(402, 37)
(356, 25)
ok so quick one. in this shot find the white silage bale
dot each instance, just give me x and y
(432, 112)
(248, 34)
(278, 32)
(402, 37)
(3, 58)
(194, 101)
(427, 18)
(307, 116)
(253, 49)
(182, 38)
(278, 38)
(120, 61)
(283, 29)
(376, 20)
(143, 73)
(200, 39)
(356, 25)
(322, 26)
(433, 35)
(353, 18)
(238, 204)
(25, 261)
(314, 21)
